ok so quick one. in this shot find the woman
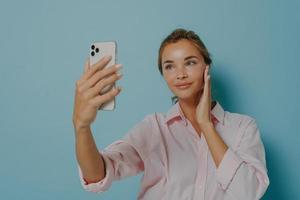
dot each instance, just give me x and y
(195, 151)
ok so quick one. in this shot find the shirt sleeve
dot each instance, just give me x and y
(242, 173)
(122, 158)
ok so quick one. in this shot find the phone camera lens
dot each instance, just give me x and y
(92, 53)
(97, 50)
(93, 47)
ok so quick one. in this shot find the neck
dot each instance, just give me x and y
(188, 107)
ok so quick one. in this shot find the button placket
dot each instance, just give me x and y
(205, 168)
(192, 130)
(201, 175)
(201, 161)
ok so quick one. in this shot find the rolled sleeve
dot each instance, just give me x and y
(122, 158)
(242, 172)
(103, 184)
(227, 168)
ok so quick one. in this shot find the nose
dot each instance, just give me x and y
(181, 74)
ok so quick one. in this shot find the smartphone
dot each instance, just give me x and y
(97, 51)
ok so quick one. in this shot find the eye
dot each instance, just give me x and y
(191, 62)
(168, 66)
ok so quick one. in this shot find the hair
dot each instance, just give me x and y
(181, 34)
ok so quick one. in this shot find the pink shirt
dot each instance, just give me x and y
(177, 163)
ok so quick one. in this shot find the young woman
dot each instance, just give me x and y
(194, 151)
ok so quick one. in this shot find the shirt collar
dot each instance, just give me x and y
(218, 112)
(175, 112)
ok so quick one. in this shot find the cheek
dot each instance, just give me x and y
(197, 75)
(198, 78)
(168, 78)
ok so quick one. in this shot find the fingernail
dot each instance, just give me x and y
(107, 57)
(119, 73)
(119, 66)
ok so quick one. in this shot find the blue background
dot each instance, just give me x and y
(255, 47)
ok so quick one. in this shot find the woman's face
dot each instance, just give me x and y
(183, 69)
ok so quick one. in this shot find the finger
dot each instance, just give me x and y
(205, 79)
(99, 100)
(96, 67)
(105, 73)
(101, 75)
(207, 84)
(85, 69)
(86, 65)
(209, 79)
(104, 82)
(207, 70)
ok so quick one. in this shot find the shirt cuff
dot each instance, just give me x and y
(101, 185)
(228, 168)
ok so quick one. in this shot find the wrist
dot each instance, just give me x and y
(206, 127)
(80, 127)
(83, 129)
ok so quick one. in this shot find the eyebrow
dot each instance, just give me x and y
(189, 57)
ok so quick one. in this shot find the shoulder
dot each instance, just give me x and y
(154, 118)
(245, 127)
(148, 124)
(144, 133)
(238, 120)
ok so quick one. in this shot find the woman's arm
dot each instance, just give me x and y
(215, 143)
(88, 156)
(241, 173)
(86, 104)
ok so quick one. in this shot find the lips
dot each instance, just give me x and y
(183, 85)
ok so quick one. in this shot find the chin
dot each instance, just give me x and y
(187, 95)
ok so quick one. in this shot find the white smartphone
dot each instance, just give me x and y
(97, 51)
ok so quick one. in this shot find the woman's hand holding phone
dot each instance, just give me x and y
(87, 95)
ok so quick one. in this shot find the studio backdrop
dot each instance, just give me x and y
(255, 48)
